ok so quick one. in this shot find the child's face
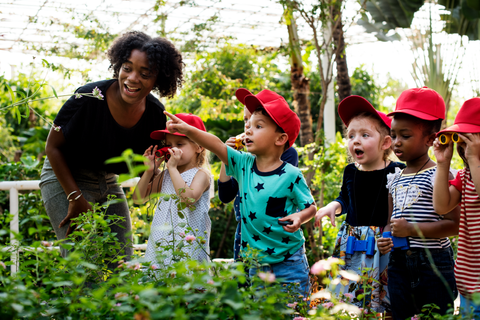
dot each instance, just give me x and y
(409, 140)
(261, 134)
(189, 149)
(364, 143)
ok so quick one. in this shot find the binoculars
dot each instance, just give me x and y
(368, 246)
(400, 243)
(163, 152)
(445, 138)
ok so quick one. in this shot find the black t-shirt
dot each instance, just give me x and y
(364, 195)
(92, 135)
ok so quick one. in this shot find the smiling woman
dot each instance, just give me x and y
(88, 131)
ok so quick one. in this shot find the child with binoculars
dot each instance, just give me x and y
(463, 190)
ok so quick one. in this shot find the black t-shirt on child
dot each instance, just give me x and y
(92, 135)
(364, 195)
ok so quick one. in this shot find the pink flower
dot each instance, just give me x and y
(190, 238)
(415, 317)
(327, 305)
(182, 234)
(349, 296)
(292, 305)
(137, 297)
(3, 265)
(210, 281)
(153, 267)
(46, 243)
(118, 304)
(267, 276)
(324, 265)
(300, 318)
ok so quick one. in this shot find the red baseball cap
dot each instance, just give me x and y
(467, 119)
(352, 106)
(189, 118)
(276, 107)
(423, 103)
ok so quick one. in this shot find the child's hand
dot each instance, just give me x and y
(472, 150)
(385, 245)
(176, 125)
(294, 226)
(401, 227)
(443, 152)
(325, 211)
(231, 142)
(150, 159)
(175, 156)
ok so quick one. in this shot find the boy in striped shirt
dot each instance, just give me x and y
(463, 190)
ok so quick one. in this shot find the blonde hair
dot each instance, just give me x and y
(381, 128)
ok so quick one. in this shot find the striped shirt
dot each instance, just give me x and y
(412, 196)
(467, 266)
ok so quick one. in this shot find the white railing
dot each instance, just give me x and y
(13, 187)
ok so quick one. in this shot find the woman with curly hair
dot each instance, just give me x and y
(89, 130)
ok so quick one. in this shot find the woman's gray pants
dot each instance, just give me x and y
(95, 187)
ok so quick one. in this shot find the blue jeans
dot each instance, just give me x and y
(412, 281)
(295, 270)
(465, 307)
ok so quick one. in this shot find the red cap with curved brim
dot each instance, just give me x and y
(352, 106)
(276, 107)
(467, 119)
(189, 118)
(423, 103)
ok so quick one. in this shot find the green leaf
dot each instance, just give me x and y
(63, 283)
(54, 92)
(12, 94)
(115, 160)
(233, 304)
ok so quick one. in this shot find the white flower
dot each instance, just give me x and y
(349, 275)
(322, 294)
(266, 276)
(323, 265)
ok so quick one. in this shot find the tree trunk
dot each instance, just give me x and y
(343, 80)
(301, 102)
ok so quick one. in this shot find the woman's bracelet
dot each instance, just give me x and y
(68, 197)
(76, 198)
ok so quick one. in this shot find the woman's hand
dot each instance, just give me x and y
(443, 152)
(175, 156)
(385, 245)
(401, 227)
(75, 208)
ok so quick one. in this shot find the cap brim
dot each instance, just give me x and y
(241, 94)
(352, 106)
(415, 113)
(461, 128)
(160, 134)
(252, 103)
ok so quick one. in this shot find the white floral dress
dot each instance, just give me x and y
(168, 228)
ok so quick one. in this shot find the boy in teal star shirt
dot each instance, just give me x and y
(272, 190)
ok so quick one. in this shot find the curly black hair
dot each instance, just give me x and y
(163, 58)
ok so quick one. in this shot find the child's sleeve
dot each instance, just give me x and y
(343, 198)
(457, 182)
(302, 197)
(238, 162)
(227, 190)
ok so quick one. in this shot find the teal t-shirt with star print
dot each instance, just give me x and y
(266, 197)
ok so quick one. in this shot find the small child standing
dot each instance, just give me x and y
(272, 189)
(463, 190)
(423, 273)
(186, 178)
(228, 186)
(364, 198)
